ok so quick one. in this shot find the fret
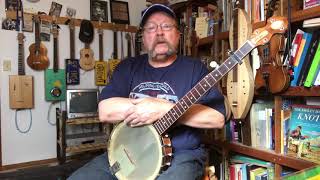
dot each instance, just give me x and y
(174, 114)
(187, 101)
(184, 105)
(192, 97)
(163, 124)
(223, 68)
(160, 126)
(210, 78)
(205, 85)
(155, 125)
(201, 87)
(177, 107)
(196, 90)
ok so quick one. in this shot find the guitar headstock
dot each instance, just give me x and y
(36, 18)
(20, 38)
(275, 25)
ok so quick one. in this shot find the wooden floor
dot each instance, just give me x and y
(46, 172)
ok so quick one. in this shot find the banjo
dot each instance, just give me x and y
(143, 152)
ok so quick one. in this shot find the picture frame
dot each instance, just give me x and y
(55, 9)
(119, 12)
(99, 10)
(11, 5)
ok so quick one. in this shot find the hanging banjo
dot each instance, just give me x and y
(143, 152)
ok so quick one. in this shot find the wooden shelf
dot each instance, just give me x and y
(86, 147)
(266, 155)
(296, 16)
(77, 22)
(209, 39)
(302, 91)
(89, 120)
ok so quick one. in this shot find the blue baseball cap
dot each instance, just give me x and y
(155, 8)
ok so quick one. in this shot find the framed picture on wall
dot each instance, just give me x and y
(99, 10)
(119, 12)
(11, 5)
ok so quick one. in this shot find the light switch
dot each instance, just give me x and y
(6, 65)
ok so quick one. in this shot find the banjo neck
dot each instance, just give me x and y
(201, 88)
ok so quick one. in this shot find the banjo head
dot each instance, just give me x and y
(137, 151)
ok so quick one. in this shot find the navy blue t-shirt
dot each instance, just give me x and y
(136, 78)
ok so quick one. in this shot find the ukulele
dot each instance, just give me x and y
(21, 85)
(37, 59)
(272, 76)
(55, 79)
(126, 157)
(240, 83)
(101, 66)
(86, 58)
(72, 64)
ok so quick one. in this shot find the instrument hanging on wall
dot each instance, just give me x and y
(55, 79)
(272, 76)
(86, 58)
(112, 63)
(128, 38)
(21, 85)
(37, 59)
(101, 66)
(240, 83)
(142, 152)
(72, 64)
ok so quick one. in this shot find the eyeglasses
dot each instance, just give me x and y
(153, 27)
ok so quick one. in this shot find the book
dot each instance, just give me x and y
(308, 23)
(310, 3)
(284, 117)
(314, 68)
(309, 57)
(295, 45)
(304, 133)
(317, 80)
(301, 61)
(309, 173)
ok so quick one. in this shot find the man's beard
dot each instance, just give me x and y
(152, 54)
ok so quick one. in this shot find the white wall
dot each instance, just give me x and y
(40, 142)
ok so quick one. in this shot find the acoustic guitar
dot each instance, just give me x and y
(142, 152)
(72, 64)
(240, 83)
(55, 79)
(86, 58)
(21, 85)
(37, 59)
(101, 66)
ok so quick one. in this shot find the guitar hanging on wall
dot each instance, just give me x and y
(72, 64)
(37, 59)
(240, 83)
(55, 79)
(126, 157)
(21, 85)
(101, 66)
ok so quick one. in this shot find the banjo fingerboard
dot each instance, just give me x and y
(201, 88)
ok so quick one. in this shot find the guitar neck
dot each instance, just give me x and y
(21, 65)
(129, 46)
(201, 88)
(37, 35)
(115, 45)
(100, 47)
(72, 51)
(55, 55)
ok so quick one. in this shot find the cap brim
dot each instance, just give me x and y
(155, 8)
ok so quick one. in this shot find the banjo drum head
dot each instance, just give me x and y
(137, 150)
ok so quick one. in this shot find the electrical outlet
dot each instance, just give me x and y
(6, 65)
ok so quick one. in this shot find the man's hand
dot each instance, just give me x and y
(146, 111)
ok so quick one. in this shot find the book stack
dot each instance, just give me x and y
(305, 58)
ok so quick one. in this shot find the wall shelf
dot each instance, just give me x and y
(267, 155)
(77, 22)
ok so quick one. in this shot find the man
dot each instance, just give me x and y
(144, 88)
